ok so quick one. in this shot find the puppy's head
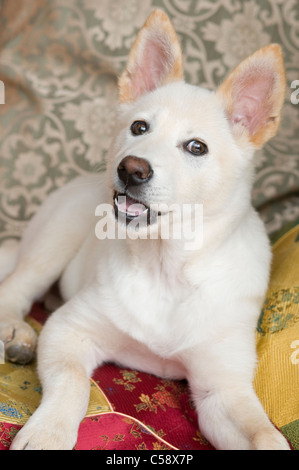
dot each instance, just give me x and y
(180, 144)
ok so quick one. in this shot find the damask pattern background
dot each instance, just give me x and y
(59, 61)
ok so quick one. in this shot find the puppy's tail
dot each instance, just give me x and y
(9, 250)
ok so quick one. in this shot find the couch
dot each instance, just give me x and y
(59, 62)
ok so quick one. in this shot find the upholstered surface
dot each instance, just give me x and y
(59, 62)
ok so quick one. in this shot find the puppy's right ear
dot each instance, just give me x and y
(155, 59)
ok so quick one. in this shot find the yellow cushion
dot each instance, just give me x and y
(277, 374)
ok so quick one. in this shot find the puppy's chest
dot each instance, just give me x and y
(152, 292)
(147, 304)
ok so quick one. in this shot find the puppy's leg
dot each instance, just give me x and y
(8, 257)
(66, 358)
(50, 241)
(229, 412)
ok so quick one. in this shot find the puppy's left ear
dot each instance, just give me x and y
(253, 95)
(155, 59)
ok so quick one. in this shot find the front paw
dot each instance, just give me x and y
(44, 434)
(270, 440)
(19, 340)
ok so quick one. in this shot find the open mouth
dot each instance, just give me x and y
(127, 209)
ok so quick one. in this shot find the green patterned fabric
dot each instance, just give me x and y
(59, 62)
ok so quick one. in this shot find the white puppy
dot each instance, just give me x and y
(153, 303)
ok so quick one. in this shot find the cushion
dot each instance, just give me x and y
(277, 375)
(132, 410)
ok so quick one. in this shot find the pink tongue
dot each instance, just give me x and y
(130, 206)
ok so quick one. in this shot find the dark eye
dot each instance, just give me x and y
(139, 127)
(196, 147)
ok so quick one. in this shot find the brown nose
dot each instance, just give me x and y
(134, 171)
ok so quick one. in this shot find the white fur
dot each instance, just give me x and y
(150, 304)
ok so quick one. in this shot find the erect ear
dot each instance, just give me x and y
(155, 59)
(253, 95)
